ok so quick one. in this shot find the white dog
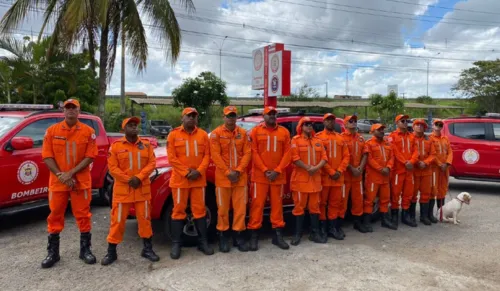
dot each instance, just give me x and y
(452, 208)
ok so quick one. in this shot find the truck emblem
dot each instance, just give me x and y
(27, 172)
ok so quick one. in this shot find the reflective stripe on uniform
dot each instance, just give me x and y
(361, 187)
(50, 195)
(356, 147)
(74, 152)
(408, 144)
(178, 195)
(130, 161)
(299, 197)
(268, 143)
(195, 148)
(372, 187)
(235, 156)
(343, 191)
(219, 196)
(314, 155)
(330, 152)
(138, 160)
(67, 153)
(187, 148)
(119, 212)
(308, 155)
(254, 190)
(85, 194)
(382, 149)
(397, 176)
(275, 143)
(433, 179)
(146, 209)
(335, 148)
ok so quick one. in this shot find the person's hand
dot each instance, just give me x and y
(356, 172)
(65, 177)
(444, 167)
(233, 176)
(421, 165)
(272, 175)
(193, 175)
(134, 182)
(335, 176)
(385, 171)
(409, 165)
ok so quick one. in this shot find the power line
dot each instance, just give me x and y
(444, 7)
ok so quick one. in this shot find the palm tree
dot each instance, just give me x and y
(100, 23)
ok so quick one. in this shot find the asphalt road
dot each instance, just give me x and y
(438, 257)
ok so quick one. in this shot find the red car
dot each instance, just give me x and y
(161, 198)
(475, 142)
(22, 128)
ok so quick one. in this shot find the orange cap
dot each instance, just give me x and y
(72, 101)
(376, 126)
(328, 115)
(189, 110)
(269, 109)
(436, 121)
(127, 120)
(230, 109)
(420, 121)
(349, 117)
(401, 116)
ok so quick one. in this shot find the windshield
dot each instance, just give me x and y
(7, 123)
(158, 123)
(246, 125)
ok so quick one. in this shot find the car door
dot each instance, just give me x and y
(471, 156)
(25, 170)
(494, 149)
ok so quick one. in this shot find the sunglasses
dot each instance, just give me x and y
(439, 125)
(308, 124)
(231, 115)
(403, 121)
(352, 121)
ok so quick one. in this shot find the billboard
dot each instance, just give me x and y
(258, 69)
(278, 74)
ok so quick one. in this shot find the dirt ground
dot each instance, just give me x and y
(438, 257)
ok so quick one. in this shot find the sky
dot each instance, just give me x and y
(374, 43)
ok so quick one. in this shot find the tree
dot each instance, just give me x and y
(201, 92)
(386, 106)
(481, 84)
(99, 24)
(305, 92)
(425, 100)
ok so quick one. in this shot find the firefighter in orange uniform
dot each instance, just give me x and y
(440, 167)
(353, 178)
(308, 157)
(69, 147)
(231, 152)
(402, 180)
(377, 181)
(270, 156)
(332, 179)
(423, 171)
(131, 160)
(188, 151)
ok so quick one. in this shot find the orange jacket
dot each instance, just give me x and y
(188, 151)
(404, 150)
(426, 153)
(380, 156)
(230, 150)
(68, 146)
(356, 145)
(270, 151)
(338, 157)
(444, 154)
(310, 151)
(126, 160)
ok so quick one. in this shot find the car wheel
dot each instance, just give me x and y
(106, 192)
(189, 232)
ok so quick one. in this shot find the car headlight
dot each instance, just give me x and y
(158, 172)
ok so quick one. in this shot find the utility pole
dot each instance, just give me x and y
(428, 61)
(326, 89)
(220, 56)
(123, 106)
(347, 81)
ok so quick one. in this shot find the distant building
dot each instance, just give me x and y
(346, 97)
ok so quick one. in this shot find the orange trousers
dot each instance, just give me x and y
(355, 190)
(423, 184)
(303, 200)
(80, 205)
(259, 196)
(238, 196)
(402, 188)
(440, 183)
(196, 198)
(371, 191)
(119, 213)
(332, 202)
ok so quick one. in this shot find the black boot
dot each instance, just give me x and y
(395, 217)
(223, 242)
(413, 214)
(367, 222)
(254, 240)
(85, 252)
(201, 225)
(424, 213)
(111, 256)
(177, 227)
(299, 222)
(278, 239)
(240, 241)
(358, 224)
(332, 230)
(386, 221)
(315, 234)
(52, 251)
(323, 229)
(433, 219)
(405, 217)
(338, 226)
(147, 251)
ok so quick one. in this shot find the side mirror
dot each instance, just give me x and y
(19, 143)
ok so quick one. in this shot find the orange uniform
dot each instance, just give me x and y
(69, 146)
(125, 161)
(230, 151)
(306, 188)
(423, 177)
(270, 151)
(354, 185)
(402, 180)
(333, 195)
(188, 151)
(444, 154)
(380, 156)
